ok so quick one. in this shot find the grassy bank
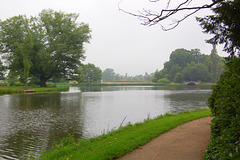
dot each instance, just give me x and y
(121, 141)
(21, 89)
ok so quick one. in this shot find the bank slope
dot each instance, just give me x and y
(121, 141)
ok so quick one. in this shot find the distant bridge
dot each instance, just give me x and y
(192, 83)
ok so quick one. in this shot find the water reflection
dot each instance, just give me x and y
(34, 122)
(180, 100)
(31, 123)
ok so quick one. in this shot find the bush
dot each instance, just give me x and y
(225, 106)
(163, 81)
(19, 84)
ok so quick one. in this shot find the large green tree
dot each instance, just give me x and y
(180, 57)
(92, 74)
(108, 75)
(215, 65)
(49, 45)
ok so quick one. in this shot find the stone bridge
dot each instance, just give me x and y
(192, 83)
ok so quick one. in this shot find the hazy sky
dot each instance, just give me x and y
(119, 41)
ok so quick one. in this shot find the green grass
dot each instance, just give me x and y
(121, 141)
(21, 89)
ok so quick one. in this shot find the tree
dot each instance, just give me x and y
(12, 42)
(215, 65)
(148, 77)
(178, 78)
(139, 78)
(181, 57)
(196, 72)
(224, 104)
(49, 45)
(92, 74)
(108, 75)
(26, 48)
(2, 69)
(224, 24)
(158, 75)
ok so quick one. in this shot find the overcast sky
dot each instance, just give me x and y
(119, 41)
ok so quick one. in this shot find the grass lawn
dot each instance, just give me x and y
(121, 141)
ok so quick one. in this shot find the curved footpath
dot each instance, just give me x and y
(185, 142)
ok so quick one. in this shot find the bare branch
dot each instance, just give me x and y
(149, 17)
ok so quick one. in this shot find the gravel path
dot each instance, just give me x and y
(185, 142)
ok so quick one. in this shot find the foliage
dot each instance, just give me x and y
(163, 81)
(12, 78)
(2, 69)
(224, 104)
(148, 77)
(158, 75)
(185, 65)
(178, 78)
(196, 72)
(224, 24)
(215, 65)
(47, 46)
(92, 74)
(121, 141)
(108, 75)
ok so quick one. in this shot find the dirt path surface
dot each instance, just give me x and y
(185, 142)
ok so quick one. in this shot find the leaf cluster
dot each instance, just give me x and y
(224, 104)
(224, 24)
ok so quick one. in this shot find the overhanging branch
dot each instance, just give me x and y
(149, 17)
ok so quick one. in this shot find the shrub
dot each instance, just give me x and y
(163, 81)
(19, 84)
(225, 106)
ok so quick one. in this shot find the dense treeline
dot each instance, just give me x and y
(109, 75)
(185, 65)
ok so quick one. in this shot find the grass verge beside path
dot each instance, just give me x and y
(121, 141)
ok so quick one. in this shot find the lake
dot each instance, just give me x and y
(31, 123)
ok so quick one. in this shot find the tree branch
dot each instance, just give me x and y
(149, 17)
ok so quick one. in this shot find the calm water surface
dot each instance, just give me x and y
(31, 123)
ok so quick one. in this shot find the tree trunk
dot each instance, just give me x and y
(43, 81)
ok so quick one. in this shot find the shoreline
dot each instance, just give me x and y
(121, 141)
(24, 90)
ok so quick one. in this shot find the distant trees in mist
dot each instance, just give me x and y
(185, 65)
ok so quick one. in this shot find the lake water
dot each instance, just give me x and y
(31, 123)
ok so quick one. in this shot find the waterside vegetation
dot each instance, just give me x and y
(33, 89)
(121, 141)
